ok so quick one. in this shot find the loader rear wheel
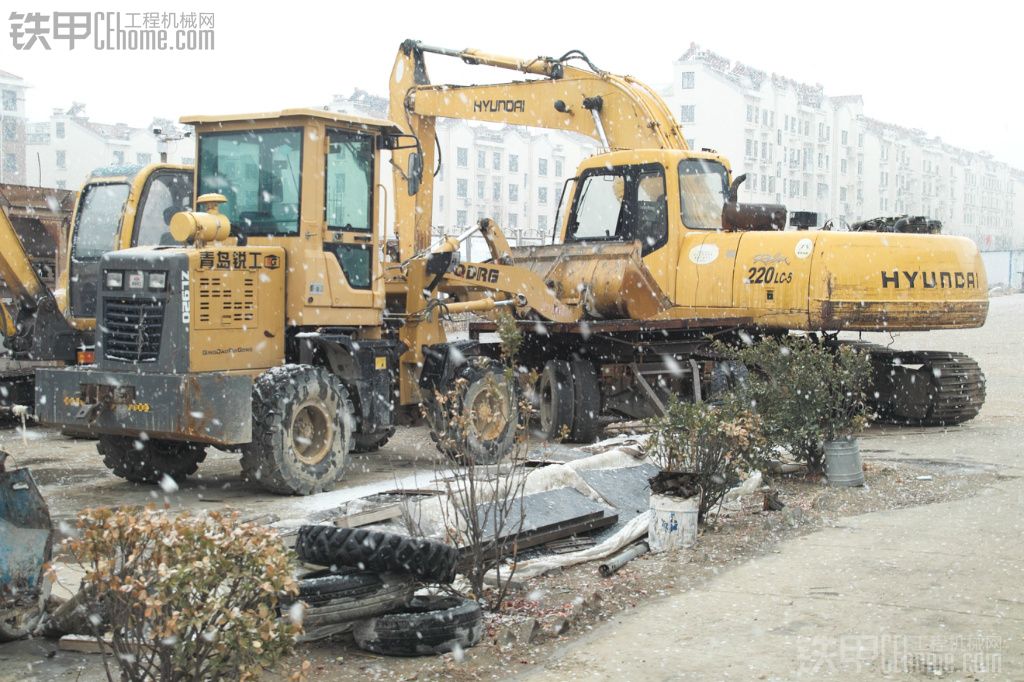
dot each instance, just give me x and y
(148, 461)
(587, 405)
(478, 421)
(301, 430)
(556, 399)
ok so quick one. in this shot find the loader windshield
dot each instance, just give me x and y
(259, 171)
(98, 220)
(703, 189)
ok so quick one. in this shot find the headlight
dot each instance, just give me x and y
(115, 280)
(157, 280)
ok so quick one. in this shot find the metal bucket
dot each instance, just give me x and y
(842, 463)
(673, 522)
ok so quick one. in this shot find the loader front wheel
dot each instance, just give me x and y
(478, 420)
(148, 461)
(302, 421)
(557, 399)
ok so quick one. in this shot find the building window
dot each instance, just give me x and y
(686, 113)
(513, 220)
(462, 188)
(62, 184)
(480, 188)
(513, 163)
(496, 161)
(143, 159)
(687, 83)
(462, 157)
(542, 195)
(62, 159)
(845, 137)
(496, 191)
(691, 143)
(481, 159)
(542, 221)
(751, 149)
(860, 166)
(842, 194)
(118, 157)
(10, 162)
(10, 130)
(440, 202)
(559, 168)
(513, 192)
(842, 166)
(460, 218)
(750, 113)
(58, 130)
(10, 100)
(542, 166)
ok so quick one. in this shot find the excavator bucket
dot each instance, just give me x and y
(609, 280)
(26, 541)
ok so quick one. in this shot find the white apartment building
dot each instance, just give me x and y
(64, 150)
(813, 152)
(510, 174)
(12, 128)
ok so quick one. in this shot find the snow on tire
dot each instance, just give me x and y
(368, 550)
(428, 625)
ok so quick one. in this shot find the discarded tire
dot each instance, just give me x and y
(368, 550)
(334, 601)
(428, 625)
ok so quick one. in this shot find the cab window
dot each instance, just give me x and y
(349, 180)
(98, 220)
(165, 194)
(625, 203)
(260, 173)
(703, 188)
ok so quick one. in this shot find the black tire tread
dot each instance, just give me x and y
(369, 550)
(587, 408)
(429, 625)
(151, 462)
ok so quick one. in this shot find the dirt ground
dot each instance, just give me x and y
(905, 467)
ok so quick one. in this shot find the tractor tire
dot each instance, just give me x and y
(587, 401)
(480, 422)
(428, 625)
(556, 398)
(301, 430)
(333, 601)
(367, 550)
(148, 461)
(20, 622)
(371, 442)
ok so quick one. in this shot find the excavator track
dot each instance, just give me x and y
(924, 388)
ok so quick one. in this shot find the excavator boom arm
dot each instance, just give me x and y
(618, 111)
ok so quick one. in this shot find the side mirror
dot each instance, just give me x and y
(414, 173)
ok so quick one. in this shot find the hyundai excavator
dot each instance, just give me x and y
(276, 327)
(656, 257)
(117, 207)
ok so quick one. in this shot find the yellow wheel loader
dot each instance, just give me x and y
(654, 257)
(264, 331)
(117, 207)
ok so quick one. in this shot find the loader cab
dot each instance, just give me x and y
(305, 180)
(141, 198)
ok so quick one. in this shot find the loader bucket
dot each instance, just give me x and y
(26, 540)
(610, 280)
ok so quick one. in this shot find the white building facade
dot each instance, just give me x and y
(64, 150)
(813, 152)
(12, 128)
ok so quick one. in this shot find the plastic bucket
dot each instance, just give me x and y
(842, 463)
(673, 522)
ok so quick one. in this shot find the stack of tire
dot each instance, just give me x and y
(367, 588)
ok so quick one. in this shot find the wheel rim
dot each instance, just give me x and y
(312, 433)
(489, 409)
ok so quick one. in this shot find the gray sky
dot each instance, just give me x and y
(951, 73)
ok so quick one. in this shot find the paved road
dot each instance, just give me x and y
(929, 591)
